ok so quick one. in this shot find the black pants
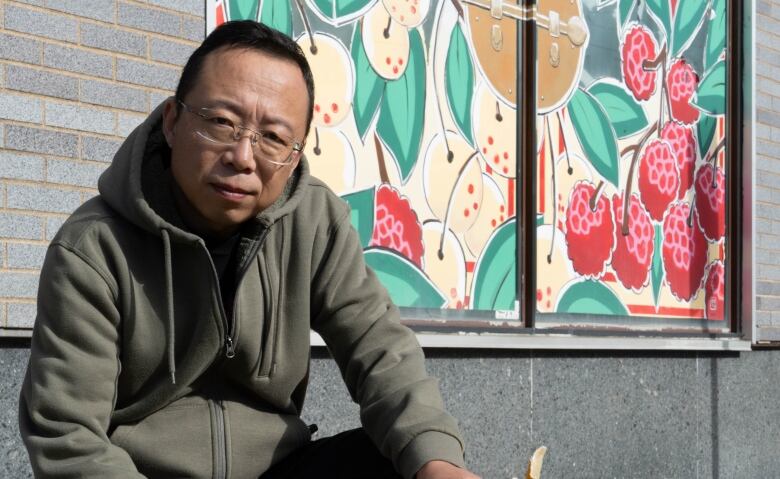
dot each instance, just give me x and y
(349, 455)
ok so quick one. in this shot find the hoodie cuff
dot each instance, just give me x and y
(429, 446)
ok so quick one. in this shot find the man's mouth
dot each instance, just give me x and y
(230, 192)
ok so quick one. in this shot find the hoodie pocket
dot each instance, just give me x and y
(175, 441)
(266, 362)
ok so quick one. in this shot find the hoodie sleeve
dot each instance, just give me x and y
(380, 359)
(70, 386)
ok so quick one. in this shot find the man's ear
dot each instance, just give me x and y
(170, 115)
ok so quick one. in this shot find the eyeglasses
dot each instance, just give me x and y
(272, 147)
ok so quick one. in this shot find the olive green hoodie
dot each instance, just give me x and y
(130, 374)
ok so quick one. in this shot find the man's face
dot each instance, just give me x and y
(224, 186)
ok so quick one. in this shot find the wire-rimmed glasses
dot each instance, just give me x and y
(273, 147)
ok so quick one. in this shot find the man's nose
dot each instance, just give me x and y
(243, 157)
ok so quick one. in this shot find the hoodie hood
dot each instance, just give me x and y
(138, 184)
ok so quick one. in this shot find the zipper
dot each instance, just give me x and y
(230, 323)
(220, 438)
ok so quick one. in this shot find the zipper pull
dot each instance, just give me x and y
(229, 350)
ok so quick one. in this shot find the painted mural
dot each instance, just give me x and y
(631, 151)
(415, 127)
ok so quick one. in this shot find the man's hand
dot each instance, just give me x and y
(443, 470)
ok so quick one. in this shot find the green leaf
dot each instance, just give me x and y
(402, 113)
(705, 132)
(406, 283)
(710, 96)
(495, 273)
(590, 297)
(624, 12)
(459, 78)
(662, 13)
(368, 85)
(361, 204)
(687, 20)
(277, 14)
(625, 114)
(596, 135)
(242, 10)
(657, 271)
(716, 34)
(341, 12)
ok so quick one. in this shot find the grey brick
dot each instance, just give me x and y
(764, 7)
(78, 61)
(767, 256)
(767, 55)
(770, 118)
(132, 71)
(768, 288)
(88, 195)
(193, 29)
(20, 49)
(768, 85)
(25, 255)
(114, 95)
(127, 123)
(38, 140)
(21, 315)
(193, 7)
(149, 19)
(764, 210)
(38, 3)
(766, 163)
(49, 25)
(20, 226)
(81, 118)
(763, 131)
(170, 52)
(53, 225)
(98, 149)
(21, 167)
(156, 98)
(41, 82)
(18, 285)
(74, 173)
(766, 271)
(97, 9)
(767, 303)
(774, 134)
(39, 198)
(20, 108)
(113, 39)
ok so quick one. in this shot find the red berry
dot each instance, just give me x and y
(638, 45)
(684, 252)
(590, 234)
(711, 202)
(396, 226)
(633, 252)
(682, 81)
(715, 291)
(680, 138)
(659, 178)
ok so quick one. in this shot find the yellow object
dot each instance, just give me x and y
(535, 463)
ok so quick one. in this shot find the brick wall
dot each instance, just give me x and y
(76, 76)
(767, 193)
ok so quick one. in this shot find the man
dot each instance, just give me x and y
(172, 337)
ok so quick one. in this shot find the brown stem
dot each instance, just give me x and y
(569, 170)
(630, 180)
(689, 221)
(458, 7)
(386, 31)
(659, 61)
(302, 11)
(712, 158)
(380, 159)
(596, 195)
(317, 149)
(554, 191)
(499, 118)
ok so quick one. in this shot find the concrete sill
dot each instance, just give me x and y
(572, 342)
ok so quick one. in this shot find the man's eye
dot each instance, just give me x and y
(218, 120)
(273, 137)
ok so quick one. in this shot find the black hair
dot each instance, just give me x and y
(251, 35)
